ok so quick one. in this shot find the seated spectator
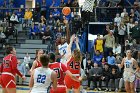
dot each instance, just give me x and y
(69, 3)
(42, 30)
(27, 62)
(88, 66)
(20, 15)
(117, 49)
(117, 19)
(106, 75)
(47, 36)
(28, 17)
(11, 4)
(34, 31)
(56, 14)
(115, 29)
(62, 3)
(43, 20)
(98, 44)
(2, 37)
(51, 22)
(98, 58)
(7, 17)
(111, 59)
(95, 74)
(14, 19)
(114, 76)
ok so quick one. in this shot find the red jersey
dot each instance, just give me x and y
(60, 69)
(73, 67)
(38, 64)
(9, 65)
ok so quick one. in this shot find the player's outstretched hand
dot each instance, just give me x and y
(77, 40)
(23, 77)
(72, 38)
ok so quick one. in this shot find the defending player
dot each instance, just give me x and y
(74, 66)
(42, 77)
(9, 70)
(61, 70)
(129, 75)
(37, 62)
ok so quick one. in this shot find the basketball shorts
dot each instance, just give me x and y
(129, 76)
(60, 89)
(8, 81)
(70, 83)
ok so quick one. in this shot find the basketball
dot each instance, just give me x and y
(66, 10)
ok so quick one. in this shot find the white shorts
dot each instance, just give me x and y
(129, 76)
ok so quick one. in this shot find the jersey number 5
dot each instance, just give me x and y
(41, 78)
(74, 65)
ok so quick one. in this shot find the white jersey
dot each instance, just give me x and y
(42, 80)
(63, 49)
(128, 64)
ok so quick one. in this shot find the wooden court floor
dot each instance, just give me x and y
(25, 89)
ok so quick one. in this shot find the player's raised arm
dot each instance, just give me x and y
(54, 80)
(77, 43)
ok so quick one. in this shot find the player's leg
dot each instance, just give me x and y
(11, 90)
(132, 87)
(4, 90)
(68, 90)
(127, 87)
(77, 90)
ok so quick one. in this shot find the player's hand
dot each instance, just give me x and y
(80, 79)
(23, 77)
(77, 40)
(73, 37)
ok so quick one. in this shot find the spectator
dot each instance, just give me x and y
(130, 25)
(123, 13)
(95, 74)
(43, 20)
(20, 15)
(117, 49)
(43, 8)
(2, 37)
(14, 19)
(34, 31)
(5, 5)
(51, 22)
(27, 59)
(114, 76)
(132, 14)
(21, 68)
(109, 43)
(56, 14)
(136, 4)
(7, 17)
(58, 33)
(135, 32)
(42, 30)
(121, 33)
(88, 66)
(111, 59)
(98, 58)
(125, 19)
(62, 3)
(28, 16)
(47, 36)
(106, 76)
(69, 3)
(98, 44)
(117, 19)
(115, 30)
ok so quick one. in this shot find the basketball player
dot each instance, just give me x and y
(42, 77)
(8, 71)
(74, 66)
(61, 70)
(37, 62)
(129, 74)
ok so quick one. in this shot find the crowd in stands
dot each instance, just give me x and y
(121, 35)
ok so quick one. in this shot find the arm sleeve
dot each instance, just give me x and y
(14, 66)
(64, 68)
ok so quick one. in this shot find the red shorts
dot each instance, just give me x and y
(8, 81)
(70, 83)
(59, 89)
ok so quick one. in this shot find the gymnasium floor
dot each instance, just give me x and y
(25, 89)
